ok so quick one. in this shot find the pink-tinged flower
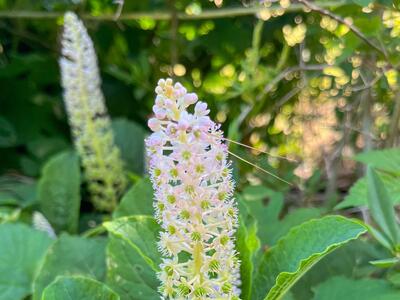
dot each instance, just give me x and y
(193, 186)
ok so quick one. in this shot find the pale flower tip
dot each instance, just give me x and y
(154, 124)
(169, 81)
(190, 98)
(161, 82)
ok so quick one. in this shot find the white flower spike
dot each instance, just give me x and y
(193, 186)
(88, 116)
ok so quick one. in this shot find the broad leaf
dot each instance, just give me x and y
(129, 137)
(59, 192)
(71, 255)
(21, 252)
(77, 287)
(141, 232)
(349, 289)
(381, 207)
(137, 201)
(298, 251)
(128, 273)
(386, 160)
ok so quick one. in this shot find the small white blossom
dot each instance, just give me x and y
(193, 186)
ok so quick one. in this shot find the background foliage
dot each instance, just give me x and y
(318, 86)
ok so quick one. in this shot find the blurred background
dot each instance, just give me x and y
(313, 82)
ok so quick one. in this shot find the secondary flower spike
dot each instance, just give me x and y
(193, 186)
(88, 118)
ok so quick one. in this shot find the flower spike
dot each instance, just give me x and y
(88, 118)
(193, 185)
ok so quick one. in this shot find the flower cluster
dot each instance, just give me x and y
(88, 117)
(193, 188)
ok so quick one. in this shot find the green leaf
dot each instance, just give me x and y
(17, 191)
(386, 263)
(349, 289)
(59, 192)
(272, 228)
(77, 287)
(385, 160)
(71, 255)
(8, 136)
(352, 260)
(358, 193)
(299, 250)
(381, 207)
(362, 3)
(247, 244)
(129, 137)
(21, 253)
(128, 273)
(138, 200)
(141, 232)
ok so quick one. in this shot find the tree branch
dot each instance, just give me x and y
(285, 73)
(316, 8)
(164, 15)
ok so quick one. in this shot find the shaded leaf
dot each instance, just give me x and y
(141, 232)
(247, 244)
(138, 200)
(128, 273)
(77, 287)
(71, 255)
(381, 207)
(272, 228)
(21, 253)
(385, 160)
(349, 289)
(358, 192)
(129, 137)
(59, 192)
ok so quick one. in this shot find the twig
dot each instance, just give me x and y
(285, 73)
(164, 15)
(394, 122)
(120, 4)
(173, 34)
(316, 8)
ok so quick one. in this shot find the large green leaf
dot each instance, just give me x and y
(386, 160)
(298, 251)
(141, 233)
(129, 137)
(128, 273)
(78, 288)
(381, 207)
(21, 251)
(137, 201)
(71, 256)
(349, 289)
(59, 192)
(358, 193)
